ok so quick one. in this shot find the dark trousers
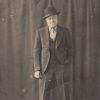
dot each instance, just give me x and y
(53, 86)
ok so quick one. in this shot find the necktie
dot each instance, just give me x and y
(53, 33)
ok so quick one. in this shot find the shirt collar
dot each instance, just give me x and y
(55, 28)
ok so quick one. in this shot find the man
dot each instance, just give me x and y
(51, 58)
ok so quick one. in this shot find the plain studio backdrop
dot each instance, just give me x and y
(19, 20)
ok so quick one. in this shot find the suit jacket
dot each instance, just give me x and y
(41, 48)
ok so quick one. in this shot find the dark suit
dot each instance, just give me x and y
(42, 55)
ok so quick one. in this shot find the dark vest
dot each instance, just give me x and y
(53, 57)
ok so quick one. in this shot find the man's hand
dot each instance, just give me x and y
(37, 74)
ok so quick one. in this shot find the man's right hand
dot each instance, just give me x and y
(37, 74)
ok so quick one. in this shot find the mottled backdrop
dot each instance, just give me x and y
(18, 22)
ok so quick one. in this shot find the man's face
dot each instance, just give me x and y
(52, 21)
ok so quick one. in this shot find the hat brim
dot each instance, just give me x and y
(48, 15)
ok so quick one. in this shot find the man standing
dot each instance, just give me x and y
(51, 58)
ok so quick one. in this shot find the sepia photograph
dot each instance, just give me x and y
(49, 50)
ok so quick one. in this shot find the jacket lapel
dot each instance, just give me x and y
(59, 36)
(46, 37)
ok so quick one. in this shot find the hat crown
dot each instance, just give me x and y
(50, 10)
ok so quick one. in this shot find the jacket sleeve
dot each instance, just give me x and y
(37, 52)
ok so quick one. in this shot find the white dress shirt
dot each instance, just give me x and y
(53, 32)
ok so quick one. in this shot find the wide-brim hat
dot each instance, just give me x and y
(49, 11)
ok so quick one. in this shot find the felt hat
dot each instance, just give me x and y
(49, 11)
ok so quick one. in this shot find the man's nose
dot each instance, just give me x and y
(52, 20)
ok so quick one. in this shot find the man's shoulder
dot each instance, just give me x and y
(62, 28)
(40, 29)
